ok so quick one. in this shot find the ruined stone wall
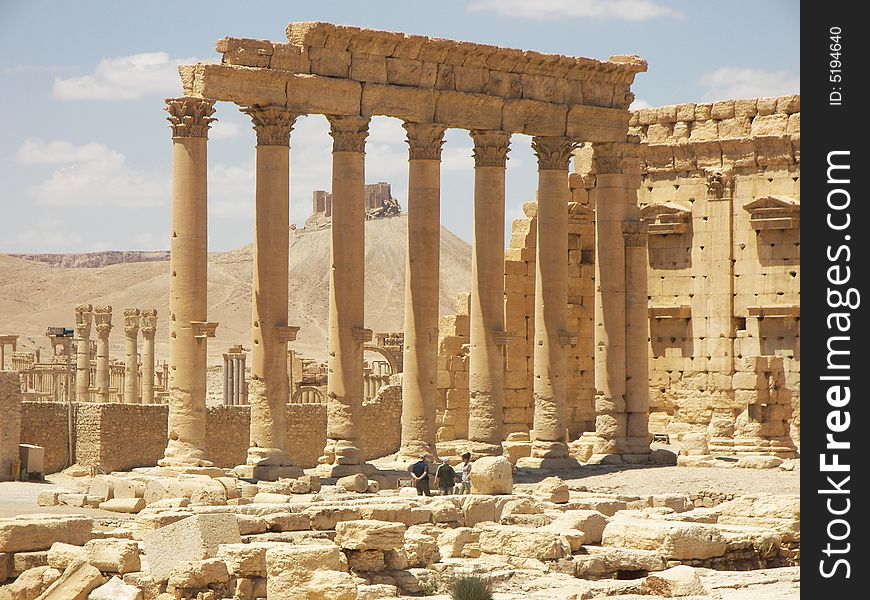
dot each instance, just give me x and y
(10, 421)
(721, 199)
(45, 424)
(306, 433)
(118, 437)
(227, 432)
(382, 418)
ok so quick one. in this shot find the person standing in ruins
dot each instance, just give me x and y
(420, 474)
(445, 477)
(465, 483)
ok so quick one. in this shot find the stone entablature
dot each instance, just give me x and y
(774, 212)
(336, 70)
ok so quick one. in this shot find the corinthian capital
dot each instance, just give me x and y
(83, 320)
(103, 320)
(148, 322)
(617, 158)
(424, 140)
(491, 147)
(131, 322)
(273, 124)
(553, 152)
(348, 133)
(190, 117)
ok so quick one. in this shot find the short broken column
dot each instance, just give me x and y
(103, 325)
(487, 340)
(83, 351)
(131, 364)
(148, 326)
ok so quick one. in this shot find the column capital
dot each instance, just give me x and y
(131, 322)
(491, 147)
(424, 140)
(553, 152)
(103, 320)
(83, 320)
(189, 117)
(634, 234)
(616, 158)
(348, 133)
(148, 323)
(272, 123)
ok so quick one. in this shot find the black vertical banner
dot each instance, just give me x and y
(835, 257)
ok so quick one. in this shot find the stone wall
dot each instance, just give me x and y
(382, 417)
(721, 198)
(10, 421)
(306, 433)
(227, 431)
(45, 424)
(117, 437)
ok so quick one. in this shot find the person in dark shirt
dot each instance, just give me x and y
(420, 474)
(445, 477)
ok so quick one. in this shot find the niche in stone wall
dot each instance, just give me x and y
(669, 227)
(776, 221)
(779, 330)
(670, 331)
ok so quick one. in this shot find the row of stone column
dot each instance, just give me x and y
(234, 377)
(135, 320)
(268, 391)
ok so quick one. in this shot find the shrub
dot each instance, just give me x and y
(470, 588)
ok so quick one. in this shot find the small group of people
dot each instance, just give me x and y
(445, 476)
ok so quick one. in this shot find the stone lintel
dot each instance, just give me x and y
(286, 333)
(202, 329)
(362, 334)
(683, 311)
(782, 311)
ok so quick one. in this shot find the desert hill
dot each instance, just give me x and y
(34, 294)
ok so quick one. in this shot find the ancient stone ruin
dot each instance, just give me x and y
(648, 297)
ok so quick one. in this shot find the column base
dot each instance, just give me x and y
(533, 462)
(479, 449)
(268, 472)
(333, 470)
(163, 470)
(181, 454)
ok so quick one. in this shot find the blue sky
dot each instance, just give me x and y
(85, 149)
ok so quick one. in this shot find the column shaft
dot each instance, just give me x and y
(486, 359)
(187, 284)
(83, 351)
(149, 329)
(422, 291)
(131, 364)
(103, 324)
(226, 374)
(636, 338)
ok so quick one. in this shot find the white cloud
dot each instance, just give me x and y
(639, 104)
(628, 10)
(231, 190)
(728, 83)
(52, 235)
(90, 175)
(224, 130)
(125, 78)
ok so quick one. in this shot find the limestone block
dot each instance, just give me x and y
(690, 541)
(358, 483)
(694, 444)
(10, 424)
(288, 57)
(591, 123)
(444, 511)
(30, 584)
(308, 571)
(198, 574)
(23, 561)
(48, 499)
(270, 498)
(149, 520)
(552, 489)
(103, 487)
(477, 509)
(288, 522)
(513, 540)
(377, 591)
(123, 505)
(77, 581)
(79, 500)
(759, 462)
(676, 502)
(369, 535)
(38, 532)
(606, 506)
(191, 539)
(145, 582)
(60, 555)
(113, 555)
(468, 111)
(246, 560)
(116, 589)
(368, 67)
(452, 541)
(627, 559)
(590, 522)
(420, 549)
(407, 103)
(129, 488)
(251, 524)
(209, 493)
(491, 475)
(325, 518)
(675, 582)
(365, 561)
(520, 506)
(6, 564)
(769, 125)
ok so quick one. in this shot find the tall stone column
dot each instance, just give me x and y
(549, 447)
(103, 325)
(189, 329)
(148, 327)
(269, 391)
(422, 293)
(347, 332)
(83, 351)
(131, 363)
(486, 353)
(636, 445)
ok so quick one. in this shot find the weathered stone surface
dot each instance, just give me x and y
(358, 483)
(605, 559)
(552, 489)
(444, 511)
(478, 509)
(308, 571)
(288, 522)
(674, 540)
(365, 561)
(377, 591)
(675, 582)
(246, 560)
(76, 582)
(492, 475)
(39, 532)
(123, 505)
(191, 539)
(145, 582)
(115, 589)
(452, 541)
(269, 498)
(23, 561)
(522, 541)
(369, 535)
(759, 462)
(48, 498)
(590, 522)
(198, 573)
(113, 555)
(31, 583)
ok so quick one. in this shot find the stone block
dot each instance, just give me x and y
(369, 535)
(123, 505)
(478, 509)
(492, 475)
(10, 424)
(369, 68)
(513, 540)
(452, 541)
(365, 561)
(30, 584)
(552, 489)
(246, 560)
(468, 111)
(288, 522)
(353, 483)
(191, 539)
(270, 498)
(406, 103)
(60, 555)
(48, 498)
(325, 518)
(78, 580)
(198, 574)
(113, 555)
(143, 580)
(38, 532)
(302, 572)
(676, 541)
(116, 589)
(675, 582)
(23, 561)
(129, 488)
(605, 506)
(590, 522)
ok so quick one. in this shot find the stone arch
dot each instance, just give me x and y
(391, 360)
(318, 393)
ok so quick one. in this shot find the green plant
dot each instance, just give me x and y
(428, 588)
(470, 587)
